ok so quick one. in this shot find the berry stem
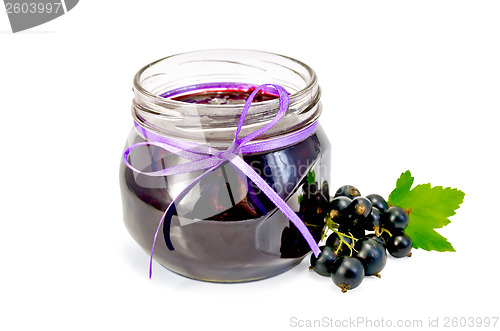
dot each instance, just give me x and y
(343, 242)
(329, 224)
(385, 230)
(313, 225)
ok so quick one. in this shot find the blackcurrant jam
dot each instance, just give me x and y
(225, 228)
(223, 96)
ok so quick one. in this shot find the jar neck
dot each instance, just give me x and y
(155, 110)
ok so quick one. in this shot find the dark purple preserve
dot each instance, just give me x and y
(225, 229)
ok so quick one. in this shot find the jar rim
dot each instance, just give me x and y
(157, 99)
(184, 120)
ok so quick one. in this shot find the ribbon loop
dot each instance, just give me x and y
(204, 157)
(283, 107)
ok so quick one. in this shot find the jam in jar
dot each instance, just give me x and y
(225, 228)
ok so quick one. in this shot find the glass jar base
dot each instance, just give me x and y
(295, 262)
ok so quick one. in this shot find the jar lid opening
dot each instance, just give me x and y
(156, 84)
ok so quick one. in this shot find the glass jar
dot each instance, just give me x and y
(225, 229)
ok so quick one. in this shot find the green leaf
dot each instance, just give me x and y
(311, 177)
(429, 240)
(403, 186)
(430, 209)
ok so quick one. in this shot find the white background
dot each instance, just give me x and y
(406, 85)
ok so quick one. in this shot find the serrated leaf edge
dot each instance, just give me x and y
(391, 199)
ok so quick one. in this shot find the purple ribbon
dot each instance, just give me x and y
(204, 157)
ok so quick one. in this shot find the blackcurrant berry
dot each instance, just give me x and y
(337, 207)
(372, 254)
(360, 207)
(379, 239)
(372, 221)
(399, 245)
(347, 272)
(309, 190)
(386, 236)
(354, 227)
(313, 188)
(378, 202)
(320, 204)
(334, 241)
(323, 263)
(394, 218)
(347, 191)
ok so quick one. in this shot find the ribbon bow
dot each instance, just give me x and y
(203, 157)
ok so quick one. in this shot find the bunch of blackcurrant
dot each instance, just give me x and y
(363, 230)
(312, 210)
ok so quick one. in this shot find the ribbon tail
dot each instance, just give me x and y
(197, 161)
(167, 217)
(278, 201)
